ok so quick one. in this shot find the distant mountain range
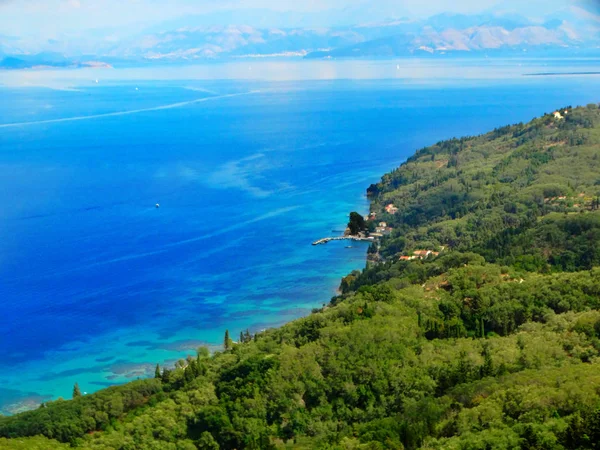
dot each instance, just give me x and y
(568, 32)
(46, 59)
(463, 35)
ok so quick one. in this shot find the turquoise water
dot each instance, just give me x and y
(98, 285)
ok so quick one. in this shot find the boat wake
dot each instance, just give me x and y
(126, 113)
(232, 241)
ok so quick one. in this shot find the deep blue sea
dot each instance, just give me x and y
(97, 285)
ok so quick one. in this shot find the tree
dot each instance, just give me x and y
(166, 374)
(357, 223)
(207, 442)
(487, 369)
(76, 391)
(227, 340)
(188, 374)
(203, 353)
(245, 336)
(157, 372)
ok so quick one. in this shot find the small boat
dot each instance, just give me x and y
(158, 205)
(349, 246)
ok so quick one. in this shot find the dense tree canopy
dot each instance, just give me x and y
(491, 342)
(356, 224)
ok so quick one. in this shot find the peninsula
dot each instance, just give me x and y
(358, 229)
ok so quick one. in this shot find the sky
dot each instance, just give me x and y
(52, 17)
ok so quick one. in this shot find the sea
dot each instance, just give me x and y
(144, 211)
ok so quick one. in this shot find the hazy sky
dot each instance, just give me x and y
(50, 17)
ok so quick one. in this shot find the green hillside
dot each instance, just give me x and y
(476, 324)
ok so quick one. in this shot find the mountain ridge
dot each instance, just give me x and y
(194, 39)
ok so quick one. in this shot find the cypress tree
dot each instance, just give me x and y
(464, 368)
(195, 367)
(188, 376)
(165, 375)
(487, 369)
(76, 391)
(157, 372)
(227, 340)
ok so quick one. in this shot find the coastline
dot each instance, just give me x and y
(460, 326)
(103, 368)
(343, 238)
(265, 295)
(553, 74)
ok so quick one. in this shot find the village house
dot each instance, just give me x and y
(391, 209)
(382, 228)
(557, 115)
(419, 254)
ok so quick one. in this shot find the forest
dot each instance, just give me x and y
(474, 325)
